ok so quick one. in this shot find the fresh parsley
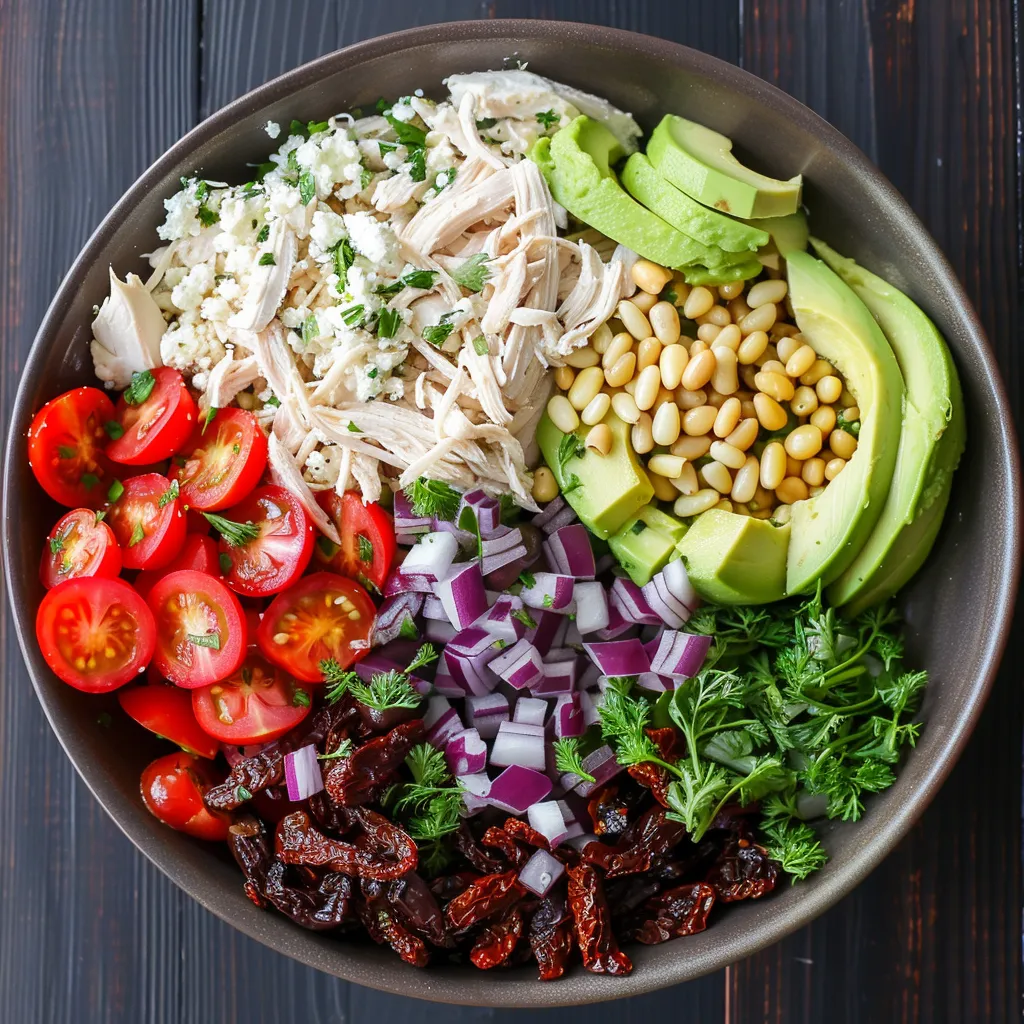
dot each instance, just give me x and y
(433, 498)
(407, 133)
(472, 273)
(139, 388)
(171, 494)
(437, 334)
(113, 429)
(388, 322)
(211, 640)
(569, 758)
(310, 330)
(114, 491)
(354, 315)
(343, 256)
(138, 535)
(235, 534)
(548, 118)
(365, 549)
(267, 260)
(411, 279)
(264, 234)
(417, 163)
(525, 618)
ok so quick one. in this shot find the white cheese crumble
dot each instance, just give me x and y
(273, 129)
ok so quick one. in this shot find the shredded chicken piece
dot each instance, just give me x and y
(467, 120)
(126, 332)
(391, 194)
(268, 283)
(505, 295)
(227, 379)
(285, 473)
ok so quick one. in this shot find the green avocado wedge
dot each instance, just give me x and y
(660, 196)
(931, 443)
(701, 163)
(722, 275)
(829, 530)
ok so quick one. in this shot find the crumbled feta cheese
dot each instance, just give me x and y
(182, 216)
(273, 129)
(193, 287)
(332, 158)
(191, 345)
(239, 261)
(215, 307)
(374, 239)
(402, 112)
(327, 230)
(241, 219)
(284, 201)
(323, 466)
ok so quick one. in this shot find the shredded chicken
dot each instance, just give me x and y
(268, 281)
(285, 473)
(126, 332)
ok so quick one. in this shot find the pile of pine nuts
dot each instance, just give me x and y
(742, 417)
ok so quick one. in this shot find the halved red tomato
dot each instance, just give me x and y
(95, 633)
(256, 704)
(222, 462)
(146, 517)
(172, 790)
(197, 552)
(155, 416)
(367, 538)
(320, 617)
(65, 447)
(167, 711)
(266, 541)
(200, 627)
(79, 545)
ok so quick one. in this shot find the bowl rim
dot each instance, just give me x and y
(500, 991)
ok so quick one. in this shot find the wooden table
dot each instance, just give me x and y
(91, 91)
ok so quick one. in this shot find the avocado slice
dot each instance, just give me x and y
(789, 233)
(931, 443)
(659, 195)
(701, 163)
(611, 487)
(734, 559)
(577, 161)
(723, 275)
(828, 531)
(646, 542)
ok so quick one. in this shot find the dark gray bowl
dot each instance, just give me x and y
(958, 607)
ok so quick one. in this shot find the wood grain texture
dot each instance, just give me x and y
(90, 92)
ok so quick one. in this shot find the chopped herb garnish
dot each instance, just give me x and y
(100, 516)
(315, 127)
(365, 549)
(169, 495)
(547, 601)
(480, 346)
(527, 579)
(386, 147)
(418, 163)
(327, 547)
(273, 401)
(267, 260)
(386, 690)
(408, 134)
(310, 330)
(352, 428)
(300, 698)
(344, 749)
(114, 430)
(569, 758)
(472, 273)
(353, 316)
(431, 498)
(307, 187)
(344, 256)
(140, 388)
(413, 279)
(90, 480)
(226, 565)
(548, 118)
(437, 334)
(264, 234)
(525, 618)
(365, 177)
(56, 545)
(210, 413)
(388, 322)
(65, 451)
(114, 491)
(408, 630)
(138, 535)
(234, 534)
(486, 122)
(372, 373)
(211, 640)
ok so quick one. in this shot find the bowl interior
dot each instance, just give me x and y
(966, 589)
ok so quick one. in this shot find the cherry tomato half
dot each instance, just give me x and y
(317, 618)
(200, 626)
(172, 790)
(367, 538)
(198, 552)
(79, 545)
(95, 633)
(279, 552)
(223, 461)
(145, 515)
(155, 427)
(65, 447)
(256, 704)
(167, 711)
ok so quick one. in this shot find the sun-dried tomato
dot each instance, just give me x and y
(375, 720)
(326, 906)
(651, 776)
(447, 887)
(497, 941)
(380, 921)
(329, 816)
(608, 812)
(417, 907)
(674, 913)
(551, 938)
(625, 894)
(594, 935)
(498, 839)
(467, 845)
(247, 840)
(484, 898)
(650, 836)
(361, 777)
(523, 833)
(247, 777)
(744, 871)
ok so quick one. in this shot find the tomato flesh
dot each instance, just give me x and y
(198, 552)
(367, 538)
(320, 617)
(78, 546)
(167, 711)
(65, 447)
(223, 461)
(95, 633)
(256, 704)
(172, 790)
(157, 427)
(148, 522)
(200, 627)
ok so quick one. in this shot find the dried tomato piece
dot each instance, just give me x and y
(484, 898)
(326, 906)
(608, 812)
(498, 940)
(551, 938)
(625, 894)
(744, 871)
(523, 833)
(594, 935)
(417, 907)
(470, 849)
(447, 887)
(247, 778)
(674, 913)
(360, 777)
(651, 835)
(499, 839)
(247, 840)
(379, 920)
(651, 776)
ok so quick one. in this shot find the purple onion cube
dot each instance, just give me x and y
(529, 711)
(519, 665)
(462, 594)
(547, 819)
(591, 608)
(516, 788)
(514, 747)
(619, 657)
(466, 753)
(568, 716)
(541, 872)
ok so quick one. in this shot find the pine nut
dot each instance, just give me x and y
(738, 309)
(728, 417)
(773, 465)
(625, 408)
(782, 514)
(696, 347)
(819, 369)
(686, 482)
(585, 387)
(787, 346)
(744, 487)
(698, 302)
(775, 385)
(708, 333)
(747, 409)
(769, 412)
(829, 389)
(665, 322)
(766, 356)
(697, 422)
(842, 444)
(699, 370)
(791, 489)
(767, 291)
(801, 361)
(761, 318)
(813, 473)
(724, 453)
(725, 379)
(694, 504)
(664, 489)
(715, 399)
(774, 366)
(824, 418)
(644, 301)
(691, 399)
(681, 288)
(596, 409)
(665, 426)
(691, 448)
(621, 371)
(640, 436)
(647, 383)
(673, 360)
(583, 357)
(633, 320)
(545, 486)
(649, 276)
(794, 467)
(725, 505)
(833, 468)
(762, 513)
(619, 345)
(669, 466)
(647, 353)
(601, 339)
(780, 330)
(731, 289)
(714, 474)
(564, 376)
(745, 434)
(718, 315)
(562, 414)
(630, 386)
(600, 438)
(761, 499)
(728, 337)
(852, 414)
(805, 401)
(752, 347)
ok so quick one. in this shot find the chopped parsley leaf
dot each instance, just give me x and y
(307, 187)
(114, 430)
(310, 330)
(115, 491)
(472, 273)
(548, 118)
(169, 495)
(267, 260)
(140, 388)
(66, 451)
(211, 640)
(138, 535)
(418, 163)
(264, 234)
(365, 549)
(408, 134)
(480, 346)
(388, 322)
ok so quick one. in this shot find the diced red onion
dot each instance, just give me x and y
(473, 642)
(655, 683)
(473, 673)
(563, 517)
(530, 711)
(591, 607)
(475, 789)
(512, 746)
(601, 764)
(617, 625)
(574, 810)
(486, 713)
(465, 539)
(605, 562)
(568, 716)
(630, 601)
(499, 620)
(550, 591)
(441, 721)
(487, 510)
(408, 525)
(581, 841)
(501, 540)
(590, 677)
(543, 636)
(375, 662)
(573, 637)
(404, 583)
(444, 684)
(520, 665)
(302, 773)
(392, 616)
(522, 729)
(431, 557)
(546, 818)
(541, 872)
(466, 753)
(516, 788)
(462, 594)
(433, 609)
(492, 563)
(438, 631)
(560, 667)
(619, 657)
(680, 655)
(669, 608)
(550, 510)
(233, 754)
(679, 584)
(568, 550)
